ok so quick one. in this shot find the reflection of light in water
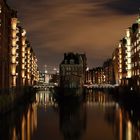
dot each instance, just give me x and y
(120, 117)
(34, 117)
(117, 105)
(24, 125)
(23, 128)
(125, 129)
(28, 124)
(129, 130)
(99, 99)
(132, 112)
(108, 104)
(45, 98)
(14, 134)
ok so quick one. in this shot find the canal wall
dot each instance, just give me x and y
(120, 90)
(127, 91)
(124, 94)
(9, 100)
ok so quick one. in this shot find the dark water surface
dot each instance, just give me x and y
(95, 116)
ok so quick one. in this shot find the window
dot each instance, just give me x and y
(0, 9)
(138, 82)
(71, 61)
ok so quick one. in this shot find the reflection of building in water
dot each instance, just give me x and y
(21, 125)
(28, 123)
(125, 125)
(45, 98)
(95, 98)
(72, 120)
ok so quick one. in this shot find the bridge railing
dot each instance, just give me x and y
(100, 86)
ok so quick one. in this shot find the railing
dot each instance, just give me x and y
(100, 86)
(44, 86)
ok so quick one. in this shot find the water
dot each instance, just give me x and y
(96, 116)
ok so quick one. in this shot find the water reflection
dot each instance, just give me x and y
(45, 98)
(125, 126)
(97, 116)
(98, 98)
(19, 124)
(124, 121)
(72, 119)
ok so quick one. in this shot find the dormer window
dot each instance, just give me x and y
(65, 61)
(71, 61)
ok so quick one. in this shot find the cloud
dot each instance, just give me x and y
(91, 26)
(128, 7)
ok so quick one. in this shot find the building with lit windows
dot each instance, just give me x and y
(99, 75)
(89, 76)
(72, 71)
(126, 58)
(120, 63)
(115, 61)
(108, 72)
(21, 59)
(135, 55)
(24, 68)
(5, 29)
(31, 73)
(27, 69)
(13, 50)
(18, 63)
(34, 69)
(84, 58)
(95, 76)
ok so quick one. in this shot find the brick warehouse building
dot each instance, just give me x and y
(18, 63)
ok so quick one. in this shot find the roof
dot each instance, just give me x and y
(72, 58)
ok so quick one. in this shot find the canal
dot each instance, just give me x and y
(95, 116)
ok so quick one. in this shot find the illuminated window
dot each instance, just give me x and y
(138, 82)
(0, 22)
(129, 66)
(128, 33)
(14, 23)
(135, 50)
(138, 72)
(129, 60)
(0, 9)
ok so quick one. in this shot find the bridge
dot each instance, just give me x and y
(89, 86)
(45, 86)
(104, 86)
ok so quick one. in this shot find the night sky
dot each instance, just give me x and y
(90, 26)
